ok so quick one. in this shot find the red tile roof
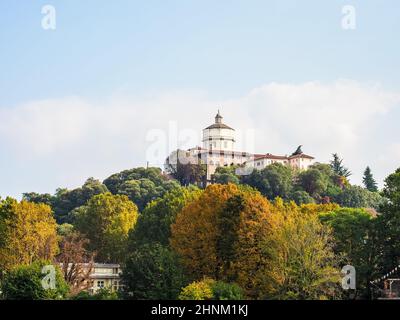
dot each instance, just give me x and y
(302, 155)
(275, 157)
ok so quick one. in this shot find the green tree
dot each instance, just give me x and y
(25, 283)
(101, 294)
(114, 181)
(35, 197)
(228, 223)
(301, 197)
(227, 291)
(152, 272)
(64, 201)
(65, 229)
(358, 197)
(353, 241)
(273, 181)
(369, 181)
(141, 185)
(322, 183)
(391, 189)
(106, 222)
(225, 175)
(143, 191)
(338, 167)
(387, 225)
(314, 182)
(154, 224)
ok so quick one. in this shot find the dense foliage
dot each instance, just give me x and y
(277, 233)
(353, 241)
(140, 185)
(155, 221)
(25, 283)
(153, 272)
(234, 234)
(65, 201)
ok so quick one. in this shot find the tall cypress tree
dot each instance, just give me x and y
(338, 167)
(228, 223)
(369, 181)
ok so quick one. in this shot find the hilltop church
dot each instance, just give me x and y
(219, 150)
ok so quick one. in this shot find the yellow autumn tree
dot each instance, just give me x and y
(309, 209)
(27, 233)
(194, 233)
(198, 290)
(303, 264)
(221, 235)
(315, 209)
(106, 221)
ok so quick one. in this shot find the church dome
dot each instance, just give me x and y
(218, 136)
(218, 123)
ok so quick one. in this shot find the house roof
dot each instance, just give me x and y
(104, 276)
(275, 157)
(106, 265)
(301, 155)
(97, 265)
(218, 123)
(219, 126)
(197, 148)
(270, 156)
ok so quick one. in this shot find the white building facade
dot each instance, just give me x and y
(219, 150)
(297, 161)
(105, 275)
(93, 276)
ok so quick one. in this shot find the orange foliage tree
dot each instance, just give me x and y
(221, 235)
(271, 250)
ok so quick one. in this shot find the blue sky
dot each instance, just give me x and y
(176, 54)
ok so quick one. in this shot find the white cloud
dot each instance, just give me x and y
(77, 138)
